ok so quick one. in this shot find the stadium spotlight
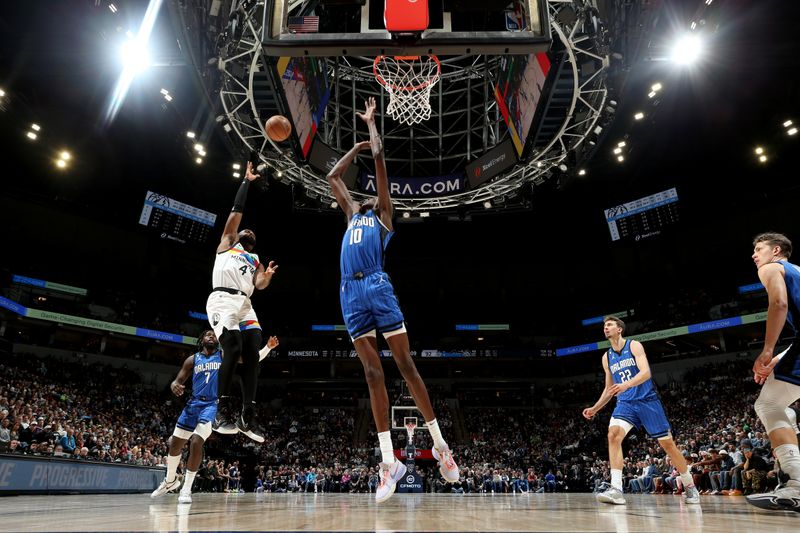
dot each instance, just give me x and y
(36, 127)
(2, 93)
(638, 116)
(112, 8)
(620, 158)
(168, 97)
(424, 214)
(278, 174)
(190, 134)
(622, 144)
(406, 214)
(785, 124)
(61, 163)
(32, 136)
(618, 150)
(199, 160)
(202, 153)
(335, 204)
(582, 172)
(487, 204)
(237, 175)
(759, 150)
(656, 86)
(792, 131)
(236, 166)
(687, 50)
(135, 56)
(198, 147)
(66, 156)
(762, 158)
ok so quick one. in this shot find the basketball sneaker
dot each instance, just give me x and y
(166, 487)
(692, 496)
(390, 475)
(222, 423)
(447, 466)
(246, 424)
(185, 498)
(784, 498)
(611, 495)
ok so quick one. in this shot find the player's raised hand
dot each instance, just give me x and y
(363, 145)
(271, 269)
(273, 343)
(369, 114)
(250, 174)
(589, 413)
(177, 388)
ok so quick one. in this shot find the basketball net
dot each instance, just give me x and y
(411, 425)
(408, 80)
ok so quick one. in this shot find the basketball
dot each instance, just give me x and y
(278, 128)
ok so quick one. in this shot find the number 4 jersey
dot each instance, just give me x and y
(622, 366)
(235, 269)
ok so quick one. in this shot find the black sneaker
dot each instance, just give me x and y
(246, 424)
(222, 423)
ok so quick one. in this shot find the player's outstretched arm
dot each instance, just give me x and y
(231, 229)
(264, 275)
(606, 395)
(177, 386)
(272, 343)
(338, 187)
(384, 205)
(771, 276)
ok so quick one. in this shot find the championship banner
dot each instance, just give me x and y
(427, 187)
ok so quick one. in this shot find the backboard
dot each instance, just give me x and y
(357, 28)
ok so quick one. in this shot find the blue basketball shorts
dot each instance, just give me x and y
(644, 413)
(195, 413)
(788, 368)
(369, 303)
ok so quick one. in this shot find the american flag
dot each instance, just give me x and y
(304, 24)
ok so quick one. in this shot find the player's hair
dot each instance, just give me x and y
(200, 338)
(776, 239)
(618, 321)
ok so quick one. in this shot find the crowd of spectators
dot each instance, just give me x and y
(91, 412)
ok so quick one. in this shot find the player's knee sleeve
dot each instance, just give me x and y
(770, 409)
(181, 433)
(618, 422)
(203, 430)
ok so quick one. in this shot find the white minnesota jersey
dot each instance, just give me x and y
(235, 269)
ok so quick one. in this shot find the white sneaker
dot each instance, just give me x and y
(166, 487)
(611, 495)
(786, 498)
(447, 466)
(389, 477)
(185, 498)
(692, 495)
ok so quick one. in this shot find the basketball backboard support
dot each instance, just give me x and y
(356, 28)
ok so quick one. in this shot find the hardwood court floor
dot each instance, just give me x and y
(404, 512)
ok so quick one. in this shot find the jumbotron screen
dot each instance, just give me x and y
(175, 220)
(643, 218)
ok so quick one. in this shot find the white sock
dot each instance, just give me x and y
(387, 450)
(616, 479)
(789, 457)
(436, 434)
(687, 480)
(172, 466)
(187, 482)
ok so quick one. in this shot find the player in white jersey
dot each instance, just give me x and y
(237, 272)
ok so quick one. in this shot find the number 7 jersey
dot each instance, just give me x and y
(364, 244)
(622, 366)
(235, 268)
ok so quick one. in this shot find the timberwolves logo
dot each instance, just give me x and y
(215, 319)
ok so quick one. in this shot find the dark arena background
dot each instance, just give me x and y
(550, 163)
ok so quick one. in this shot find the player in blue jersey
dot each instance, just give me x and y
(194, 423)
(628, 378)
(779, 374)
(370, 306)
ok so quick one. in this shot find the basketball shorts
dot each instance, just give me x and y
(370, 304)
(788, 368)
(644, 413)
(230, 311)
(197, 412)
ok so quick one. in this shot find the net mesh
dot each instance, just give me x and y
(408, 80)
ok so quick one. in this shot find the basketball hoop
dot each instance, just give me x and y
(411, 424)
(408, 80)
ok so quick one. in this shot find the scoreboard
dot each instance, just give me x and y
(643, 218)
(175, 220)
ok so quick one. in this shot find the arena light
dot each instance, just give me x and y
(620, 158)
(2, 93)
(785, 124)
(487, 204)
(424, 214)
(36, 127)
(759, 150)
(656, 87)
(202, 153)
(237, 175)
(335, 204)
(638, 116)
(168, 97)
(61, 163)
(651, 94)
(278, 174)
(129, 69)
(198, 147)
(762, 158)
(236, 166)
(792, 131)
(112, 8)
(622, 144)
(135, 55)
(199, 160)
(618, 150)
(30, 135)
(190, 134)
(406, 214)
(687, 50)
(66, 156)
(582, 172)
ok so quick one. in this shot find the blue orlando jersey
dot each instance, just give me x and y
(622, 366)
(363, 244)
(792, 278)
(206, 369)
